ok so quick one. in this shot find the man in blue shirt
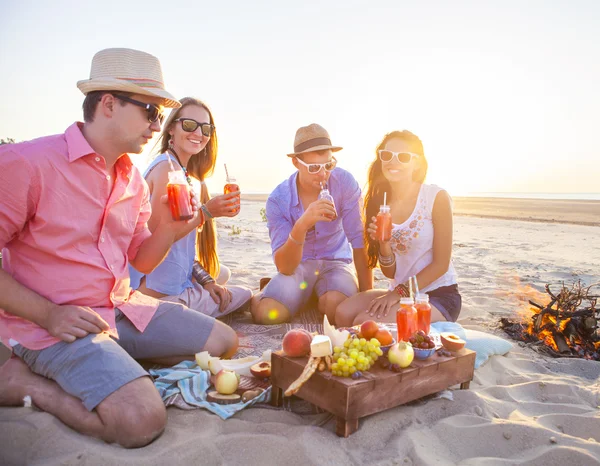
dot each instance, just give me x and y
(314, 242)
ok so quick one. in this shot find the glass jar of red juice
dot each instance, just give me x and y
(384, 223)
(230, 187)
(178, 192)
(406, 319)
(423, 312)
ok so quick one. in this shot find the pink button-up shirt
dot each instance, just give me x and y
(66, 235)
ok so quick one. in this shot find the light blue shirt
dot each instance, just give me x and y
(174, 274)
(328, 240)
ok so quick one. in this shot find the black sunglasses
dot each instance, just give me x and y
(153, 111)
(189, 126)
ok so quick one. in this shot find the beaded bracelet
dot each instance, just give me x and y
(402, 290)
(201, 275)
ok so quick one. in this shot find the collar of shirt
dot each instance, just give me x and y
(77, 147)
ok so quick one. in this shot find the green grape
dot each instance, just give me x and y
(352, 370)
(370, 347)
(363, 341)
(375, 342)
(355, 342)
(350, 362)
(354, 354)
(337, 349)
(378, 352)
(334, 367)
(361, 353)
(341, 362)
(336, 373)
(347, 343)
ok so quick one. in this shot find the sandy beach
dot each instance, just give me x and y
(522, 408)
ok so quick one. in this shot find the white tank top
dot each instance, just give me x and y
(412, 242)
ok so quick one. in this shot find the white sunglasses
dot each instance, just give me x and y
(314, 168)
(402, 157)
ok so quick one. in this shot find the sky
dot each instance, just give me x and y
(505, 95)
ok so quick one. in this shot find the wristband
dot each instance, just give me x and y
(201, 275)
(205, 210)
(294, 241)
(387, 261)
(402, 290)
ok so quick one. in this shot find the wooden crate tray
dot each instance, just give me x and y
(379, 389)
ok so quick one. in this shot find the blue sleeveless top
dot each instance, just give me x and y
(174, 274)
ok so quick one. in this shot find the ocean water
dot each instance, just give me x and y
(565, 196)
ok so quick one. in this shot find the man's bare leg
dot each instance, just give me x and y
(267, 311)
(132, 416)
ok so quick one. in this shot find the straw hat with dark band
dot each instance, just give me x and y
(312, 138)
(127, 70)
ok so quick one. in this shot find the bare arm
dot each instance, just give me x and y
(289, 256)
(442, 240)
(364, 274)
(64, 322)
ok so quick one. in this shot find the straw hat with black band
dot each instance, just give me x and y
(312, 138)
(127, 70)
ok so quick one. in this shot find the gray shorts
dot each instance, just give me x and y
(93, 367)
(311, 276)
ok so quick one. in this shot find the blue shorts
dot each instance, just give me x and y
(447, 300)
(93, 367)
(311, 276)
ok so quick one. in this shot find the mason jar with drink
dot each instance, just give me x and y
(231, 186)
(178, 192)
(406, 319)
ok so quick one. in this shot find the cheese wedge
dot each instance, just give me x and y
(321, 346)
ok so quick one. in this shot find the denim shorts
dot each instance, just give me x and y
(93, 367)
(447, 300)
(311, 277)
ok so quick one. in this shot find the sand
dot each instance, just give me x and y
(522, 408)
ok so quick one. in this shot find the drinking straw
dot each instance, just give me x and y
(226, 172)
(416, 285)
(384, 198)
(170, 163)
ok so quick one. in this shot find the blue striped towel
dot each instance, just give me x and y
(192, 383)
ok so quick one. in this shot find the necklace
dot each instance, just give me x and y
(185, 172)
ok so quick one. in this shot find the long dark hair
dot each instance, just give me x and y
(377, 184)
(200, 166)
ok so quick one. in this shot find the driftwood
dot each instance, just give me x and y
(568, 326)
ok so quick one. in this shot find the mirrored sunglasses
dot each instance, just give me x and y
(189, 126)
(154, 113)
(314, 168)
(402, 157)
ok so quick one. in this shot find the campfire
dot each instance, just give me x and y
(565, 327)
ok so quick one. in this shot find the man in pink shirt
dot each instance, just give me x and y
(73, 213)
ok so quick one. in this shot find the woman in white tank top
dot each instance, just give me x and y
(421, 242)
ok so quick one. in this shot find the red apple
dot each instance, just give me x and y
(452, 342)
(296, 343)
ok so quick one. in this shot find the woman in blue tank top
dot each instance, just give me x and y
(191, 273)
